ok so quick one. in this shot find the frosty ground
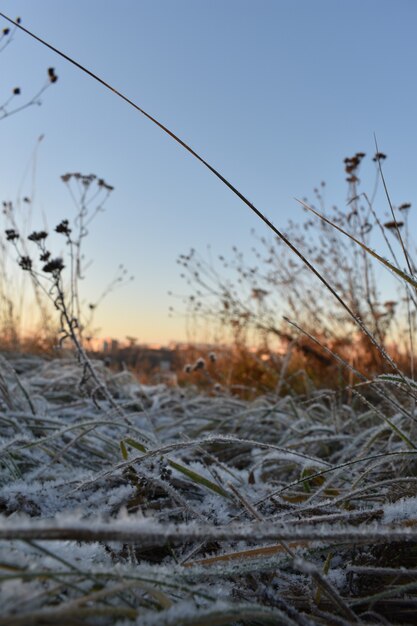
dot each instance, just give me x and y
(184, 508)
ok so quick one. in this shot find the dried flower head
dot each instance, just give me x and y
(52, 76)
(200, 364)
(45, 256)
(63, 228)
(39, 235)
(86, 180)
(11, 234)
(25, 263)
(16, 91)
(404, 206)
(55, 266)
(213, 357)
(352, 163)
(379, 156)
(102, 183)
(187, 368)
(393, 225)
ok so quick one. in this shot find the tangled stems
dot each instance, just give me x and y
(69, 327)
(50, 281)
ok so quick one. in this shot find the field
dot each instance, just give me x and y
(174, 507)
(266, 477)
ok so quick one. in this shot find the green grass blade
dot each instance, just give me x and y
(194, 476)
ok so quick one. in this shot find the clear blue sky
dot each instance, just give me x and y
(274, 93)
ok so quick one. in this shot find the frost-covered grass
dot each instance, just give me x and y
(178, 508)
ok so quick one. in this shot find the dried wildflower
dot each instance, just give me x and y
(39, 235)
(213, 357)
(54, 267)
(352, 163)
(379, 156)
(11, 234)
(6, 31)
(393, 225)
(200, 364)
(404, 206)
(87, 180)
(45, 256)
(63, 227)
(52, 76)
(66, 178)
(187, 368)
(26, 199)
(16, 91)
(102, 183)
(18, 20)
(25, 263)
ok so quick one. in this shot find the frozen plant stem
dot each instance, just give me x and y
(71, 325)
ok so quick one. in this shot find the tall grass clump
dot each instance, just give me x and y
(248, 299)
(146, 505)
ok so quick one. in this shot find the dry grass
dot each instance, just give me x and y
(126, 504)
(285, 509)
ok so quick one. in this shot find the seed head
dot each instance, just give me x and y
(25, 263)
(63, 227)
(102, 183)
(379, 156)
(39, 235)
(393, 225)
(55, 266)
(11, 234)
(52, 76)
(200, 364)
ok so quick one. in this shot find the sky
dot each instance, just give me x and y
(273, 93)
